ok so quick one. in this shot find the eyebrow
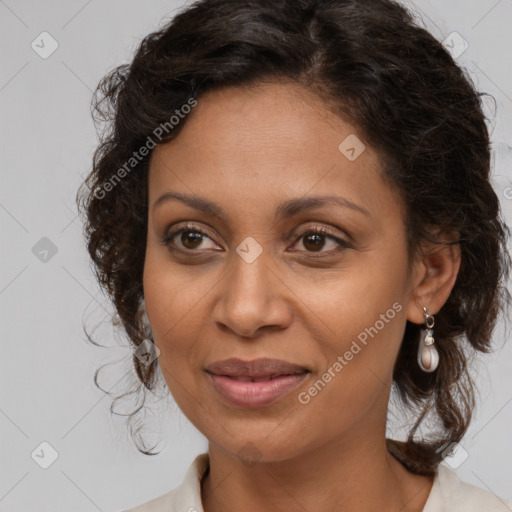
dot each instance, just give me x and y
(284, 210)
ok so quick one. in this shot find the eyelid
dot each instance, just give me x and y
(300, 232)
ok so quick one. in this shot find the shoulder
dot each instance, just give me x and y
(184, 498)
(450, 494)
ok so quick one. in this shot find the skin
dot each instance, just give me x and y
(248, 149)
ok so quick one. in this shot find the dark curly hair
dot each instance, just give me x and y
(371, 63)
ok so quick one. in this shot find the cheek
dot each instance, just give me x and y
(177, 299)
(360, 347)
(172, 293)
(175, 320)
(364, 301)
(170, 299)
(362, 315)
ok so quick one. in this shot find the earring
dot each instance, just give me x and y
(146, 327)
(428, 356)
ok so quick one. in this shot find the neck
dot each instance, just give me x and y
(343, 475)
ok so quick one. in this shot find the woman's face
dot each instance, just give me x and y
(249, 279)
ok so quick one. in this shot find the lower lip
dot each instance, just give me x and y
(255, 394)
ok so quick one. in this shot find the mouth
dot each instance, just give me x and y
(255, 383)
(258, 369)
(257, 379)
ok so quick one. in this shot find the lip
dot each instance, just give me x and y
(255, 383)
(255, 368)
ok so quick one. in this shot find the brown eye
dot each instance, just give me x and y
(191, 239)
(315, 239)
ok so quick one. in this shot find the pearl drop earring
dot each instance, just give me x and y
(428, 356)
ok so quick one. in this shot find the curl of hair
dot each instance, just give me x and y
(371, 63)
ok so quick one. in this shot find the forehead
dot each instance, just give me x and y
(253, 146)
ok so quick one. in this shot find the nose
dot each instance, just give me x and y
(252, 298)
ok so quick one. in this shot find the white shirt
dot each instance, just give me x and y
(448, 494)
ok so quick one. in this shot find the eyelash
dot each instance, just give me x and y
(316, 230)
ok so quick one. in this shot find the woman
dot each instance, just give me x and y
(293, 203)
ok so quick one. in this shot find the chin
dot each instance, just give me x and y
(260, 447)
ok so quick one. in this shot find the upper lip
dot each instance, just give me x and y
(257, 368)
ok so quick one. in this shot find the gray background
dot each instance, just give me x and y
(47, 140)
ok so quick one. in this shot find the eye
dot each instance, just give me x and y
(192, 237)
(314, 240)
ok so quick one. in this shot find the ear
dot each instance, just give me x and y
(434, 274)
